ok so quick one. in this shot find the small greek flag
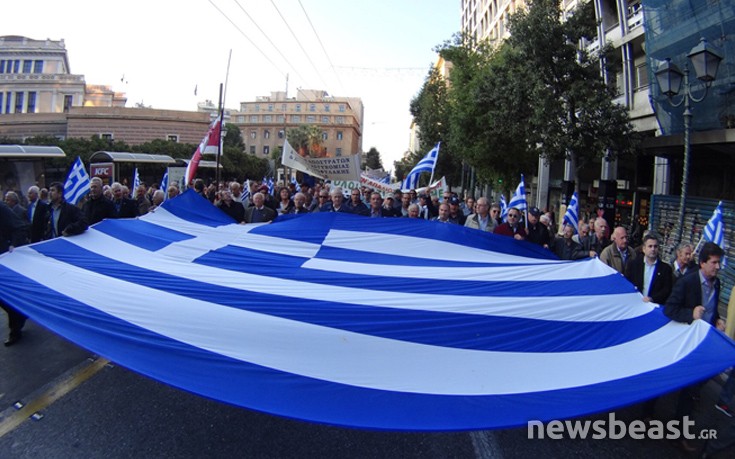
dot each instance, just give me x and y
(503, 208)
(164, 185)
(77, 182)
(427, 164)
(136, 183)
(571, 216)
(246, 191)
(518, 200)
(715, 229)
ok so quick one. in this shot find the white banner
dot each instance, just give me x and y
(342, 168)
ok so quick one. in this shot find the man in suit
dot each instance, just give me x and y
(37, 214)
(259, 212)
(64, 219)
(124, 207)
(652, 277)
(696, 297)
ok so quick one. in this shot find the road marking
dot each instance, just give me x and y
(65, 385)
(486, 445)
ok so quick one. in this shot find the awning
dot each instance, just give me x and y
(30, 152)
(208, 164)
(124, 157)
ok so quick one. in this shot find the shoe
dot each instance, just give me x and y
(13, 338)
(724, 409)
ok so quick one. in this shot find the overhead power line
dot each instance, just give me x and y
(322, 45)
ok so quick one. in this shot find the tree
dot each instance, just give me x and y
(430, 109)
(574, 115)
(307, 140)
(372, 159)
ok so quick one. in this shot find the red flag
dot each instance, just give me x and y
(209, 144)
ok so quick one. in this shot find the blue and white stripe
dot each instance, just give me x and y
(77, 182)
(571, 216)
(715, 229)
(427, 164)
(518, 200)
(344, 320)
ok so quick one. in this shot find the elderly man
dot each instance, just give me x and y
(356, 205)
(37, 214)
(683, 263)
(124, 206)
(259, 212)
(299, 204)
(97, 207)
(481, 219)
(231, 207)
(538, 233)
(598, 241)
(652, 277)
(512, 227)
(338, 202)
(617, 254)
(565, 247)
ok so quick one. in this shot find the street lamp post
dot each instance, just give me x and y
(705, 60)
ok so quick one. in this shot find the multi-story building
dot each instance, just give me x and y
(263, 122)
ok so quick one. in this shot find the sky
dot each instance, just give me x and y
(159, 51)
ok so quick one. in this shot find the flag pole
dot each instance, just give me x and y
(222, 95)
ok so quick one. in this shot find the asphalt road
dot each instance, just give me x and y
(83, 407)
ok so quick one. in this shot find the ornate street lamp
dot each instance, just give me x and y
(705, 60)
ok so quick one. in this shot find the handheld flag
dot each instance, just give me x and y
(136, 182)
(571, 216)
(503, 208)
(209, 142)
(77, 182)
(715, 229)
(246, 191)
(297, 187)
(518, 200)
(271, 186)
(164, 184)
(427, 164)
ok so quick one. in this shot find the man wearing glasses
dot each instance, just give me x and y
(512, 227)
(481, 219)
(322, 199)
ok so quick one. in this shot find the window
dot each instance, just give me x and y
(107, 136)
(296, 118)
(339, 135)
(298, 107)
(267, 134)
(173, 138)
(266, 149)
(312, 107)
(68, 99)
(270, 107)
(326, 108)
(37, 66)
(280, 134)
(19, 102)
(311, 119)
(8, 95)
(340, 120)
(253, 134)
(252, 149)
(31, 108)
(342, 108)
(281, 119)
(338, 152)
(325, 119)
(257, 108)
(1, 102)
(325, 136)
(2, 66)
(641, 77)
(240, 119)
(16, 66)
(268, 118)
(253, 118)
(27, 65)
(283, 107)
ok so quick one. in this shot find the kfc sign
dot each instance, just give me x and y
(101, 170)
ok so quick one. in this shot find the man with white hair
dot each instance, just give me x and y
(37, 214)
(259, 212)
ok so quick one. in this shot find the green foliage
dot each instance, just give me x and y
(372, 159)
(306, 139)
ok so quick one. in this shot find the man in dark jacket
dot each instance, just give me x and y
(64, 219)
(537, 232)
(13, 233)
(124, 207)
(37, 214)
(652, 277)
(97, 207)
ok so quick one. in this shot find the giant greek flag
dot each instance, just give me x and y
(392, 323)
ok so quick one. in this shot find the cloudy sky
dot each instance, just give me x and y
(157, 52)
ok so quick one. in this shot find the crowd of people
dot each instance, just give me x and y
(688, 290)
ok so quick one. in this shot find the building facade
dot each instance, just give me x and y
(263, 122)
